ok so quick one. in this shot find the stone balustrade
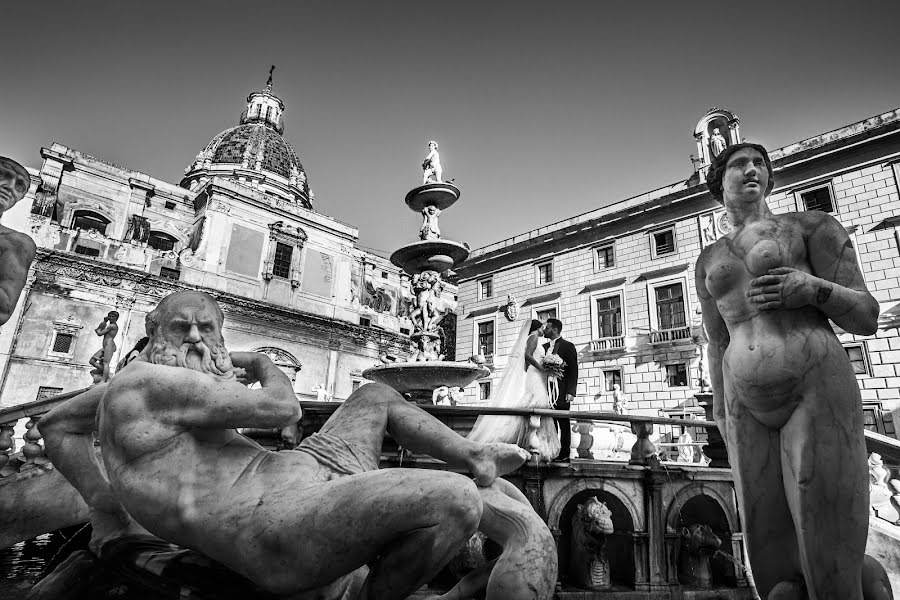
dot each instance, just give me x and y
(608, 343)
(668, 336)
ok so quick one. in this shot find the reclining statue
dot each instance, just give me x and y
(319, 521)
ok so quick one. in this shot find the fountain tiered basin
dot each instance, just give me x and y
(428, 258)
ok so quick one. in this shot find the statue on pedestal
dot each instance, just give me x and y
(427, 288)
(785, 396)
(432, 165)
(101, 360)
(620, 401)
(322, 519)
(16, 249)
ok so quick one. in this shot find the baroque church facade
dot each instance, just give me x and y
(241, 225)
(621, 278)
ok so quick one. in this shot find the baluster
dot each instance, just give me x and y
(6, 449)
(643, 452)
(32, 450)
(531, 438)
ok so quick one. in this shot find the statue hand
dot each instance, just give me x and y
(786, 288)
(251, 363)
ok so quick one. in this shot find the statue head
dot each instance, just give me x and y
(715, 131)
(14, 183)
(715, 178)
(595, 516)
(185, 330)
(433, 144)
(113, 316)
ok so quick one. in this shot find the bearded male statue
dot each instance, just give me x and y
(320, 521)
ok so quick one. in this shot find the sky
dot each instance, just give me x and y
(543, 110)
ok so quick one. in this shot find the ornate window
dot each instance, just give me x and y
(161, 241)
(283, 260)
(62, 342)
(89, 220)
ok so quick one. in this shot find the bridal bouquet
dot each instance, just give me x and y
(554, 365)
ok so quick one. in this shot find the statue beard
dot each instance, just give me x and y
(196, 356)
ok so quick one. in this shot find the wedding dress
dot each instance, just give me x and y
(520, 388)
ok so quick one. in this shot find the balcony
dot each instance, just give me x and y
(608, 345)
(671, 337)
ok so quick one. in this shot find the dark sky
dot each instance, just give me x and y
(543, 110)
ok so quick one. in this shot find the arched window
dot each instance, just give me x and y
(87, 220)
(161, 241)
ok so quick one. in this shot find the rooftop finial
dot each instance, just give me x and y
(269, 81)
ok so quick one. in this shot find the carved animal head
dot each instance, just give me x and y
(699, 538)
(595, 517)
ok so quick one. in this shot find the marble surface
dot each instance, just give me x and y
(784, 393)
(301, 522)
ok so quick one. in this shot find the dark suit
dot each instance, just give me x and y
(567, 385)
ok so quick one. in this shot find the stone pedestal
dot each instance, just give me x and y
(715, 448)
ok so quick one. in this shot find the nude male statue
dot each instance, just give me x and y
(16, 249)
(102, 358)
(784, 393)
(431, 166)
(290, 521)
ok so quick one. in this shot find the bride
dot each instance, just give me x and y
(523, 385)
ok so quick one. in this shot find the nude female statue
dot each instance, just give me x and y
(784, 394)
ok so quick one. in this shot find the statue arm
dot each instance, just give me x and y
(840, 291)
(190, 399)
(17, 256)
(68, 438)
(717, 333)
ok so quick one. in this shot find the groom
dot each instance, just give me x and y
(566, 351)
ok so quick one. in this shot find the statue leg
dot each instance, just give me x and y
(406, 524)
(375, 408)
(759, 483)
(826, 480)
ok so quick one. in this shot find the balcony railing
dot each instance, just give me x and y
(669, 336)
(608, 343)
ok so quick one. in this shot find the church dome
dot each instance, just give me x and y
(255, 153)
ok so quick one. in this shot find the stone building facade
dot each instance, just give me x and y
(621, 278)
(240, 224)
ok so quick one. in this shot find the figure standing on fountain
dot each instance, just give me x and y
(432, 165)
(430, 230)
(290, 521)
(784, 393)
(16, 249)
(101, 360)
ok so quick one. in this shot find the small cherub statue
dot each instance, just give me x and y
(430, 230)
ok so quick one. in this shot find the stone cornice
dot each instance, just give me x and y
(54, 264)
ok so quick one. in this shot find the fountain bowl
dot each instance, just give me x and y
(430, 255)
(419, 379)
(441, 195)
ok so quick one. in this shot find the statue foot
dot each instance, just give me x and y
(493, 460)
(108, 527)
(787, 590)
